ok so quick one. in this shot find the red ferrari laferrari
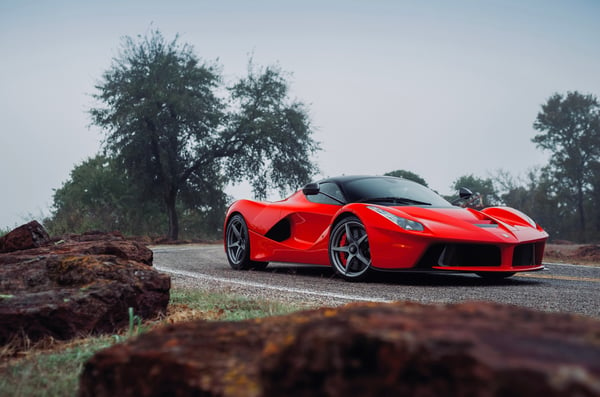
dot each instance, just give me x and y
(358, 224)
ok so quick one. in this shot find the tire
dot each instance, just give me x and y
(238, 245)
(349, 251)
(495, 275)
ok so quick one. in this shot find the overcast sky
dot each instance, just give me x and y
(441, 88)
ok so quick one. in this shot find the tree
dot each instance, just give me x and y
(97, 196)
(514, 192)
(171, 123)
(594, 199)
(570, 127)
(407, 175)
(268, 137)
(548, 209)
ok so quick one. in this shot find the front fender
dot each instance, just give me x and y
(391, 247)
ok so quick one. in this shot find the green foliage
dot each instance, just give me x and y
(407, 175)
(270, 135)
(168, 127)
(98, 196)
(570, 130)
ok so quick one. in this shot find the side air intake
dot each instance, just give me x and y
(281, 231)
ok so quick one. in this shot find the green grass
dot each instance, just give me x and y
(50, 374)
(230, 307)
(56, 372)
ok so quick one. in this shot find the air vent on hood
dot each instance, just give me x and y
(487, 225)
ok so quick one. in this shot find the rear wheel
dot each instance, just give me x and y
(349, 251)
(238, 245)
(495, 275)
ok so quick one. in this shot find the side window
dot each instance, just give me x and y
(330, 189)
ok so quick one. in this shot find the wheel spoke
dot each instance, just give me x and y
(233, 254)
(349, 263)
(234, 250)
(231, 243)
(343, 249)
(361, 239)
(349, 236)
(236, 231)
(364, 260)
(234, 247)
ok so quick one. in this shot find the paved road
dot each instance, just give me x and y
(562, 287)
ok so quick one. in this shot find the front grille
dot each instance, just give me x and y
(461, 255)
(524, 255)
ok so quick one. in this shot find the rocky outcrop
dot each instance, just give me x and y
(30, 235)
(77, 285)
(91, 243)
(402, 349)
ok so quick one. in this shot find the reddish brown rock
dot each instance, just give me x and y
(30, 235)
(470, 349)
(113, 244)
(402, 349)
(77, 286)
(68, 296)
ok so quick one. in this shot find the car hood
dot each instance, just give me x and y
(461, 223)
(446, 214)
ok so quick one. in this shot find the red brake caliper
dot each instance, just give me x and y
(343, 255)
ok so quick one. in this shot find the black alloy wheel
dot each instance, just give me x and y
(349, 251)
(238, 245)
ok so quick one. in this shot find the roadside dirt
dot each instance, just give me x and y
(580, 254)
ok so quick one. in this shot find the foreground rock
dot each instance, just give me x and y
(77, 286)
(403, 349)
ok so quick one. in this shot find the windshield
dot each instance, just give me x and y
(391, 191)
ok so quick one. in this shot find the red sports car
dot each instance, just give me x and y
(358, 224)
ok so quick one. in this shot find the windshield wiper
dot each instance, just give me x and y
(393, 200)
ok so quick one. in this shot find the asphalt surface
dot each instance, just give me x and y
(559, 288)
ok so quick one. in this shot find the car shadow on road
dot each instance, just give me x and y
(409, 278)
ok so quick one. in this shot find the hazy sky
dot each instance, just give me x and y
(441, 88)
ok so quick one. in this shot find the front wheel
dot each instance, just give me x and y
(238, 245)
(349, 251)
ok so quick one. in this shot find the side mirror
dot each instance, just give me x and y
(465, 193)
(311, 189)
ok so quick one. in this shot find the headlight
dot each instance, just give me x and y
(404, 223)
